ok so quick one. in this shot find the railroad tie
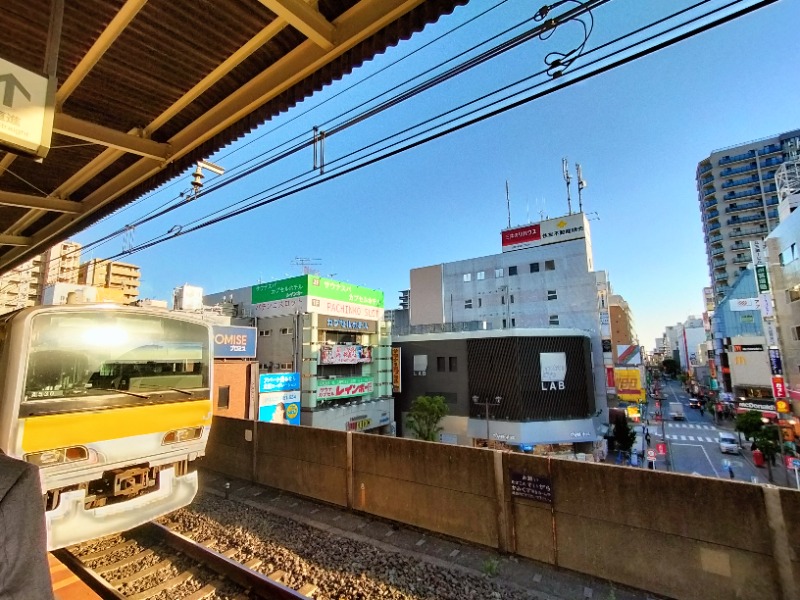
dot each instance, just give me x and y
(308, 590)
(205, 592)
(140, 574)
(230, 552)
(278, 576)
(122, 563)
(100, 553)
(167, 585)
(253, 563)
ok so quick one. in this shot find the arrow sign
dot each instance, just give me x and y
(27, 102)
(11, 84)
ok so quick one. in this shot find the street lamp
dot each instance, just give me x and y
(486, 404)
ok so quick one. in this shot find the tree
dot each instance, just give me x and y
(670, 366)
(624, 436)
(749, 423)
(424, 416)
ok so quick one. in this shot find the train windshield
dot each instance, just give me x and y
(75, 354)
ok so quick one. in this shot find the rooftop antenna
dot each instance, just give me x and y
(568, 180)
(508, 206)
(581, 185)
(307, 263)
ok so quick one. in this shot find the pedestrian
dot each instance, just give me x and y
(702, 411)
(730, 471)
(647, 438)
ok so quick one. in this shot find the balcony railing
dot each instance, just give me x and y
(748, 206)
(714, 226)
(735, 170)
(742, 260)
(707, 180)
(737, 220)
(742, 194)
(772, 148)
(717, 251)
(746, 232)
(715, 238)
(721, 276)
(708, 192)
(740, 246)
(743, 181)
(710, 203)
(712, 214)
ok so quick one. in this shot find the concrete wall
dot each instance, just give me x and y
(680, 536)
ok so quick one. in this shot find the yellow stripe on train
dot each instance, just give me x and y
(59, 431)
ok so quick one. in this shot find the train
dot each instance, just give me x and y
(113, 404)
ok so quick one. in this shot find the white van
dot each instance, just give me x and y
(676, 411)
(729, 443)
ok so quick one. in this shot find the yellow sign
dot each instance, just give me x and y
(629, 385)
(782, 406)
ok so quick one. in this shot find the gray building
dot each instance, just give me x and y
(542, 279)
(738, 200)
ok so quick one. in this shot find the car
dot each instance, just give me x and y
(694, 402)
(729, 443)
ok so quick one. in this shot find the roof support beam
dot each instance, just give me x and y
(105, 136)
(51, 204)
(14, 240)
(306, 20)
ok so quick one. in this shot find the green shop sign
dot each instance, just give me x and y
(762, 278)
(342, 388)
(320, 287)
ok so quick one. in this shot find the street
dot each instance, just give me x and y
(693, 446)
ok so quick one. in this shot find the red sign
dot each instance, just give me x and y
(651, 455)
(661, 448)
(778, 387)
(520, 235)
(610, 377)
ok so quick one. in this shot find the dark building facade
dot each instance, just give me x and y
(536, 386)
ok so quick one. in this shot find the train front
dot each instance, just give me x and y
(114, 408)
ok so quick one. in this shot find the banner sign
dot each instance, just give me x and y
(279, 407)
(345, 387)
(278, 382)
(396, 385)
(234, 342)
(332, 323)
(748, 347)
(739, 304)
(629, 355)
(758, 250)
(570, 227)
(771, 333)
(345, 354)
(312, 285)
(762, 278)
(775, 361)
(629, 385)
(767, 311)
(778, 387)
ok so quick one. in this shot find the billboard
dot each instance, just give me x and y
(301, 304)
(570, 227)
(313, 285)
(234, 342)
(629, 385)
(279, 407)
(629, 355)
(278, 382)
(328, 389)
(342, 354)
(334, 323)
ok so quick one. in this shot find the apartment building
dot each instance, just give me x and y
(112, 275)
(623, 327)
(738, 200)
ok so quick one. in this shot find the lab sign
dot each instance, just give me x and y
(26, 110)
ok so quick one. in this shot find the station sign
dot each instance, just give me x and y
(26, 110)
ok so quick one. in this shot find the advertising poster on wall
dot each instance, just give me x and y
(279, 407)
(278, 382)
(342, 388)
(341, 354)
(629, 385)
(234, 341)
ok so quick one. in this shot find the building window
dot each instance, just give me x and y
(552, 295)
(549, 265)
(265, 332)
(480, 276)
(502, 299)
(467, 277)
(453, 363)
(504, 324)
(223, 396)
(511, 298)
(498, 272)
(553, 319)
(796, 333)
(793, 294)
(440, 364)
(286, 330)
(534, 267)
(468, 303)
(512, 270)
(513, 322)
(480, 302)
(286, 366)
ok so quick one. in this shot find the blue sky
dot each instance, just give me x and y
(638, 132)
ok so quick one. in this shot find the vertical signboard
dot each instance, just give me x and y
(775, 364)
(396, 384)
(758, 250)
(762, 278)
(778, 387)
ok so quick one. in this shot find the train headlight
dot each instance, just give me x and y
(58, 456)
(183, 435)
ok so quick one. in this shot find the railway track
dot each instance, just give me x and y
(153, 561)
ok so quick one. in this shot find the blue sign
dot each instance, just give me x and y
(279, 407)
(278, 382)
(234, 342)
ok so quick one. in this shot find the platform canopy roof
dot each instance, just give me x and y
(145, 89)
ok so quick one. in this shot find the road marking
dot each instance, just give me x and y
(708, 439)
(683, 437)
(691, 438)
(713, 468)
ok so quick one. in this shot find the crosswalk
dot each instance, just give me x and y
(680, 432)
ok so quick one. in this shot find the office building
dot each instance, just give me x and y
(112, 275)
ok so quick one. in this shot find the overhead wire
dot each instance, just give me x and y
(602, 68)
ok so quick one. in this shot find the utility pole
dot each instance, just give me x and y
(486, 404)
